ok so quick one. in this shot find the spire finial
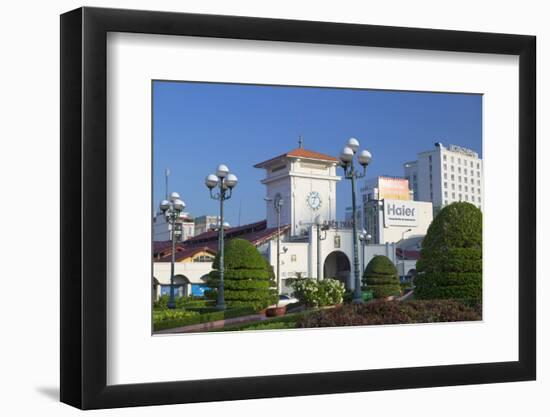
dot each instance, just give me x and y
(300, 142)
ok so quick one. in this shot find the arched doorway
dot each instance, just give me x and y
(155, 290)
(181, 286)
(337, 266)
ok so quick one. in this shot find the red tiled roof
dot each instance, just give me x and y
(408, 254)
(256, 233)
(187, 253)
(300, 153)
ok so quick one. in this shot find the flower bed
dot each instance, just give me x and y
(390, 313)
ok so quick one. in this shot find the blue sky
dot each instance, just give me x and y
(197, 126)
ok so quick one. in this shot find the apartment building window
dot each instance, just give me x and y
(445, 175)
(472, 181)
(471, 164)
(459, 170)
(445, 185)
(478, 191)
(453, 196)
(444, 157)
(459, 161)
(478, 183)
(452, 177)
(446, 194)
(459, 187)
(466, 188)
(452, 168)
(472, 172)
(459, 178)
(478, 165)
(460, 197)
(445, 167)
(452, 186)
(478, 174)
(479, 200)
(452, 159)
(466, 197)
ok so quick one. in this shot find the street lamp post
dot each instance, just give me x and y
(346, 161)
(321, 226)
(403, 250)
(278, 205)
(172, 209)
(225, 181)
(364, 237)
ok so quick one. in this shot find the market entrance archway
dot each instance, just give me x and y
(338, 266)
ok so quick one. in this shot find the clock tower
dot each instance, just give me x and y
(306, 182)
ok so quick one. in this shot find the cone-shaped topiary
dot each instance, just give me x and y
(247, 278)
(381, 278)
(450, 263)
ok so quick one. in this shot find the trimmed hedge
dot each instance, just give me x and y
(181, 302)
(417, 311)
(168, 319)
(451, 259)
(380, 277)
(248, 277)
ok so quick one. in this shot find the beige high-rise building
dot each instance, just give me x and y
(445, 175)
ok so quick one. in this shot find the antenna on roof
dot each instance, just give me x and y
(166, 175)
(300, 142)
(240, 206)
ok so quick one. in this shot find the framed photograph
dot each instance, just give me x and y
(257, 208)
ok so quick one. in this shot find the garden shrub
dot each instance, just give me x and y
(315, 293)
(450, 264)
(395, 312)
(381, 277)
(247, 280)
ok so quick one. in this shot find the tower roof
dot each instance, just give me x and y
(299, 153)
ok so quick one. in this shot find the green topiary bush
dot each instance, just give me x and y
(247, 279)
(381, 277)
(450, 264)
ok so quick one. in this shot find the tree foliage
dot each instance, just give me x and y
(247, 279)
(381, 277)
(450, 264)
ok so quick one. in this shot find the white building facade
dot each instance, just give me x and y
(389, 212)
(445, 175)
(162, 230)
(204, 224)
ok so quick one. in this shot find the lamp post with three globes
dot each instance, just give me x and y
(225, 181)
(172, 210)
(346, 162)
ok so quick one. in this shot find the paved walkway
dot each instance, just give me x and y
(212, 325)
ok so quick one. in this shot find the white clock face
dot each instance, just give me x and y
(314, 200)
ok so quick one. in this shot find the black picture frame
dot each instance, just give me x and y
(84, 207)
